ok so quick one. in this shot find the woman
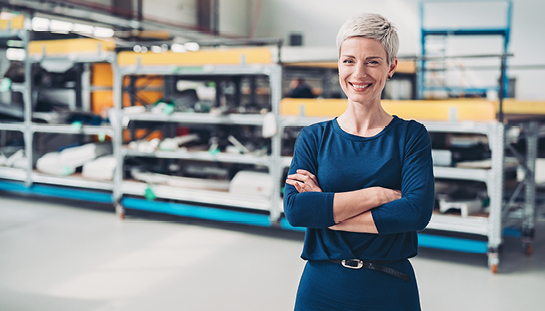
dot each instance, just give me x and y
(362, 184)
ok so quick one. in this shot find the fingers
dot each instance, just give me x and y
(309, 174)
(300, 177)
(303, 181)
(304, 175)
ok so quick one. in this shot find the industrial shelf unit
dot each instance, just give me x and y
(425, 33)
(17, 28)
(499, 217)
(227, 63)
(86, 51)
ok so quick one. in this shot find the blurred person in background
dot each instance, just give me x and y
(299, 89)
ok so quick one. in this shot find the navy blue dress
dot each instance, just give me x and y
(399, 157)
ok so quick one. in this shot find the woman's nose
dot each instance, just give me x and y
(360, 71)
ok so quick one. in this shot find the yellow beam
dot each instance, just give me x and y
(514, 106)
(14, 23)
(199, 58)
(436, 110)
(70, 46)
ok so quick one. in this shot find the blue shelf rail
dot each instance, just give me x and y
(503, 32)
(232, 216)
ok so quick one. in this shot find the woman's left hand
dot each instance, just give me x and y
(304, 181)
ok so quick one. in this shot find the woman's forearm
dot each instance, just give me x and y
(349, 204)
(362, 223)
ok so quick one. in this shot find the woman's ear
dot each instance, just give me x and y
(393, 67)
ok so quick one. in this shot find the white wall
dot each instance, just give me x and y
(179, 11)
(319, 21)
(235, 17)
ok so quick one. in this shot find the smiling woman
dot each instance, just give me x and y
(362, 184)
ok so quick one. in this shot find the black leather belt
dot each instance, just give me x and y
(371, 265)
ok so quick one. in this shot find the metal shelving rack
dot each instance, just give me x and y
(425, 33)
(195, 199)
(36, 182)
(21, 32)
(491, 227)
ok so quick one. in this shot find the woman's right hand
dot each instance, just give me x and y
(304, 181)
(386, 195)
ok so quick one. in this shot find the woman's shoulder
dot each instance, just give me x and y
(318, 128)
(410, 126)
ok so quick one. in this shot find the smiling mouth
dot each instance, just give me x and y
(360, 87)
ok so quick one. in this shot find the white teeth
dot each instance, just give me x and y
(361, 86)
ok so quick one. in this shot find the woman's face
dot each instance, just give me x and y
(363, 69)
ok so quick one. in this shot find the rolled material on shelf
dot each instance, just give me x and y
(16, 160)
(50, 163)
(177, 181)
(100, 169)
(77, 156)
(248, 183)
(65, 162)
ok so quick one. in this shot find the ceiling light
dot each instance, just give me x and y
(15, 54)
(60, 26)
(40, 24)
(81, 28)
(103, 32)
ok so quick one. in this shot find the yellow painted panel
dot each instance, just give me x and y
(67, 46)
(102, 74)
(332, 65)
(447, 110)
(405, 66)
(101, 101)
(14, 23)
(514, 106)
(199, 58)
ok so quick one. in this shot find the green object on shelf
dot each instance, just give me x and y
(168, 109)
(77, 125)
(149, 194)
(5, 85)
(213, 151)
(67, 170)
(101, 136)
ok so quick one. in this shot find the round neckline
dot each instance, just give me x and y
(347, 135)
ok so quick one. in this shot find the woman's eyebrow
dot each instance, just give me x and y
(370, 57)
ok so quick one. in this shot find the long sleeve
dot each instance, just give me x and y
(307, 209)
(413, 211)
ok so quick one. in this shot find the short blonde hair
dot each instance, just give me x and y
(373, 26)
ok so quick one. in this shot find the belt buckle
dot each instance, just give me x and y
(352, 263)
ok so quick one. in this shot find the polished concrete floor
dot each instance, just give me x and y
(64, 255)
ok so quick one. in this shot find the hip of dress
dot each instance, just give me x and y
(329, 286)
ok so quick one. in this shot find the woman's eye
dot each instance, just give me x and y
(373, 63)
(347, 61)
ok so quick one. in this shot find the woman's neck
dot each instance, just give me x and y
(364, 120)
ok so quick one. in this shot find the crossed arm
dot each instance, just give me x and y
(351, 210)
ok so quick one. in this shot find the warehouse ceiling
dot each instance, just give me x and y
(129, 23)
